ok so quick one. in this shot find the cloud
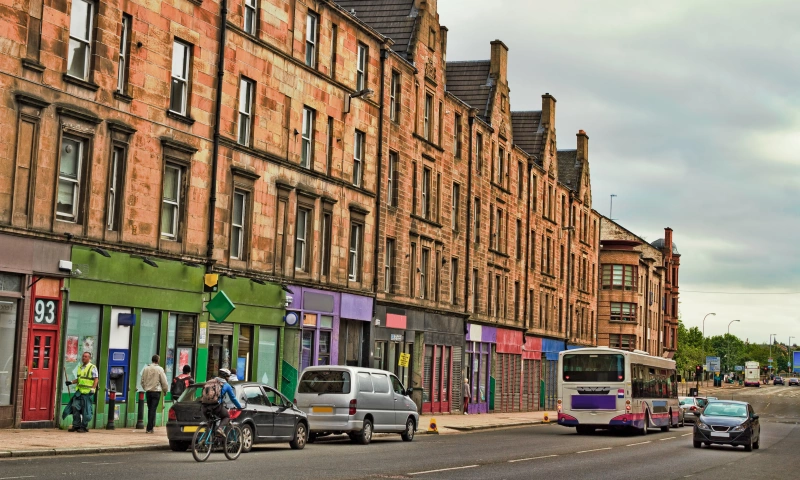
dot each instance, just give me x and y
(693, 110)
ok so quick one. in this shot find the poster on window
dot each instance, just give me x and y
(72, 348)
(170, 359)
(88, 345)
(184, 358)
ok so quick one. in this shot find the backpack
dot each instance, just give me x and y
(179, 385)
(211, 391)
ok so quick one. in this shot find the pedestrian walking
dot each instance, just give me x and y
(465, 392)
(233, 377)
(154, 381)
(80, 405)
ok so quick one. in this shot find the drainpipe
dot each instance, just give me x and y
(570, 266)
(467, 268)
(212, 201)
(527, 253)
(384, 56)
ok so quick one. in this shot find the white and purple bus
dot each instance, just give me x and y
(616, 389)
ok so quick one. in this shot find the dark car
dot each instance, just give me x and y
(794, 381)
(728, 423)
(266, 417)
(778, 381)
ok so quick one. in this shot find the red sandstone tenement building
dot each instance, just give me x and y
(638, 301)
(363, 201)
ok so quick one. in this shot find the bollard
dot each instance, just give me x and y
(140, 412)
(112, 403)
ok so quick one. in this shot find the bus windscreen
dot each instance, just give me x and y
(594, 368)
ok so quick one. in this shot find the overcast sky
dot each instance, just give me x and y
(693, 113)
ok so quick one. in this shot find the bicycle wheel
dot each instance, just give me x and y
(233, 442)
(202, 442)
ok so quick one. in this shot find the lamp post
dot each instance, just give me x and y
(789, 352)
(729, 340)
(772, 337)
(704, 333)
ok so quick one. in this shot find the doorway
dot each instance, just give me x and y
(437, 374)
(39, 392)
(220, 342)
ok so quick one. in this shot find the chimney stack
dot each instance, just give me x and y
(583, 146)
(499, 61)
(668, 240)
(549, 110)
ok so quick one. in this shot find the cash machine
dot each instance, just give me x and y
(118, 371)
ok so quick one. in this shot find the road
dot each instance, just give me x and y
(546, 451)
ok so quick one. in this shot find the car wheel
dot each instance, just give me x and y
(248, 438)
(697, 444)
(683, 421)
(757, 444)
(749, 446)
(365, 436)
(178, 446)
(408, 433)
(300, 437)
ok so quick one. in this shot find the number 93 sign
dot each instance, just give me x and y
(44, 311)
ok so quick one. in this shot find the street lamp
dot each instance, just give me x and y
(771, 341)
(704, 334)
(729, 340)
(789, 352)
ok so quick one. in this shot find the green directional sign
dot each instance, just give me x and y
(220, 307)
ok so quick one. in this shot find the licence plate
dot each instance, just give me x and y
(322, 409)
(190, 429)
(720, 434)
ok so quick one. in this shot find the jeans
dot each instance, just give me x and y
(152, 405)
(217, 410)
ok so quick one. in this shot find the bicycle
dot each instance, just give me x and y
(205, 440)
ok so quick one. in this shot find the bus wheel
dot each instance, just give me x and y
(666, 427)
(646, 425)
(584, 430)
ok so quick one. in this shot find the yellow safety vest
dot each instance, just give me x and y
(85, 380)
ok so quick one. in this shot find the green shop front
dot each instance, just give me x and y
(124, 309)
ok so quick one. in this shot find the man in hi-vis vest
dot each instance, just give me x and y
(80, 405)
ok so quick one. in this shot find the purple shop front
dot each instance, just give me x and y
(327, 322)
(478, 366)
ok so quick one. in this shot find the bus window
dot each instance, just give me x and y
(593, 368)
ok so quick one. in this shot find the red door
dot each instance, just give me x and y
(438, 370)
(37, 402)
(42, 373)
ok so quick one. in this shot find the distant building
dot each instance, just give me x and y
(638, 298)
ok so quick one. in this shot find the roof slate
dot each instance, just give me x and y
(470, 82)
(528, 134)
(392, 18)
(569, 169)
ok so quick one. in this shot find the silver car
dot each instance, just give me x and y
(356, 401)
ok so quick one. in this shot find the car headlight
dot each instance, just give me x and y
(738, 428)
(702, 425)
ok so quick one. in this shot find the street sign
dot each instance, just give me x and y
(738, 368)
(220, 307)
(713, 364)
(769, 360)
(404, 359)
(796, 361)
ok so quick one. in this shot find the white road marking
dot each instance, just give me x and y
(668, 438)
(640, 443)
(532, 458)
(443, 470)
(594, 450)
(686, 434)
(10, 478)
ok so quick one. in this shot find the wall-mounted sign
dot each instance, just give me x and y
(291, 319)
(404, 359)
(44, 311)
(396, 337)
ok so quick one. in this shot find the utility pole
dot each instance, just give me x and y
(611, 208)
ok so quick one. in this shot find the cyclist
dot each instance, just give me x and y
(213, 399)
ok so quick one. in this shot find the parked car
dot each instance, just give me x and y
(794, 381)
(356, 401)
(727, 423)
(778, 380)
(266, 417)
(689, 405)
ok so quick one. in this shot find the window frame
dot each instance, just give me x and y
(424, 263)
(247, 89)
(621, 315)
(362, 60)
(359, 141)
(77, 182)
(116, 184)
(389, 267)
(307, 138)
(325, 231)
(312, 38)
(242, 226)
(608, 272)
(426, 116)
(455, 206)
(302, 262)
(185, 81)
(355, 251)
(124, 54)
(176, 204)
(86, 43)
(392, 188)
(250, 6)
(426, 192)
(394, 97)
(457, 133)
(454, 280)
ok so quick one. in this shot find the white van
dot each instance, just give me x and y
(356, 401)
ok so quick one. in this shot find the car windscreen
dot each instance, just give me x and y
(593, 367)
(324, 381)
(725, 410)
(191, 394)
(687, 401)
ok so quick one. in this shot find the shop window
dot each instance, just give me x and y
(8, 335)
(180, 344)
(83, 335)
(267, 356)
(149, 333)
(244, 358)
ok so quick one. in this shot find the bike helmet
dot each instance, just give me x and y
(224, 373)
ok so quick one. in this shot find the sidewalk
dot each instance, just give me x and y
(51, 441)
(48, 442)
